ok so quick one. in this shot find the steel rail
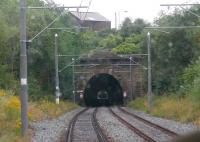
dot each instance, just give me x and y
(69, 135)
(101, 136)
(164, 130)
(131, 127)
(70, 131)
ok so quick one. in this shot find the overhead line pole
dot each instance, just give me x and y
(149, 93)
(23, 69)
(73, 82)
(23, 64)
(57, 92)
(130, 76)
(115, 20)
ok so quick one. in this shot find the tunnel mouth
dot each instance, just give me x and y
(103, 90)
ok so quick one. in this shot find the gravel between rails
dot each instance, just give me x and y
(51, 130)
(178, 127)
(155, 134)
(83, 129)
(114, 128)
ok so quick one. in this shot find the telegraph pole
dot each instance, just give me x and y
(23, 59)
(23, 69)
(57, 92)
(73, 81)
(115, 20)
(130, 77)
(149, 72)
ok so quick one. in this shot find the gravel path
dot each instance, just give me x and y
(51, 130)
(180, 128)
(114, 129)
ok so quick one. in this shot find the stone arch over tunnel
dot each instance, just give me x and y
(103, 90)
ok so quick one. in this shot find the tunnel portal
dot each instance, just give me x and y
(103, 90)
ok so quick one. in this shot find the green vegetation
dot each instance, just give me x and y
(41, 50)
(175, 61)
(131, 44)
(183, 109)
(10, 114)
(175, 69)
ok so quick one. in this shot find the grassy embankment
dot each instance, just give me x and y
(10, 114)
(183, 109)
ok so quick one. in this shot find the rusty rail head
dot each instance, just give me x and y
(131, 127)
(101, 136)
(164, 130)
(69, 134)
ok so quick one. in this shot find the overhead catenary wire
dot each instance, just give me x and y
(58, 7)
(182, 6)
(88, 9)
(79, 14)
(186, 4)
(162, 31)
(49, 25)
(188, 10)
(44, 29)
(173, 27)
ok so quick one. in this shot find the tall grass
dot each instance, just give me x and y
(10, 114)
(183, 109)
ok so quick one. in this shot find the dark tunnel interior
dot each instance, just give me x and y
(103, 90)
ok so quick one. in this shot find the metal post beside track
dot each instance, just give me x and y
(57, 88)
(23, 69)
(149, 72)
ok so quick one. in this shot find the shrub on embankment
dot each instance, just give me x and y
(10, 114)
(183, 109)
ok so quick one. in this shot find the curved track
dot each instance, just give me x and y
(147, 130)
(84, 127)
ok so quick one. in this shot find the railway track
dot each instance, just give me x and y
(156, 126)
(84, 127)
(149, 131)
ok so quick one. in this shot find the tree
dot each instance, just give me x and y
(173, 52)
(127, 28)
(138, 26)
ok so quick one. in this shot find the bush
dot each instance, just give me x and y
(10, 123)
(111, 41)
(126, 48)
(191, 79)
(139, 103)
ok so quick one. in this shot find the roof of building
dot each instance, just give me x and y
(89, 16)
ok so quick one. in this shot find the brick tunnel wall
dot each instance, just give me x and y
(133, 88)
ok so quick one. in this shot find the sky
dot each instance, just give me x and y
(145, 9)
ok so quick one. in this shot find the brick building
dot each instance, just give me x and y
(92, 20)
